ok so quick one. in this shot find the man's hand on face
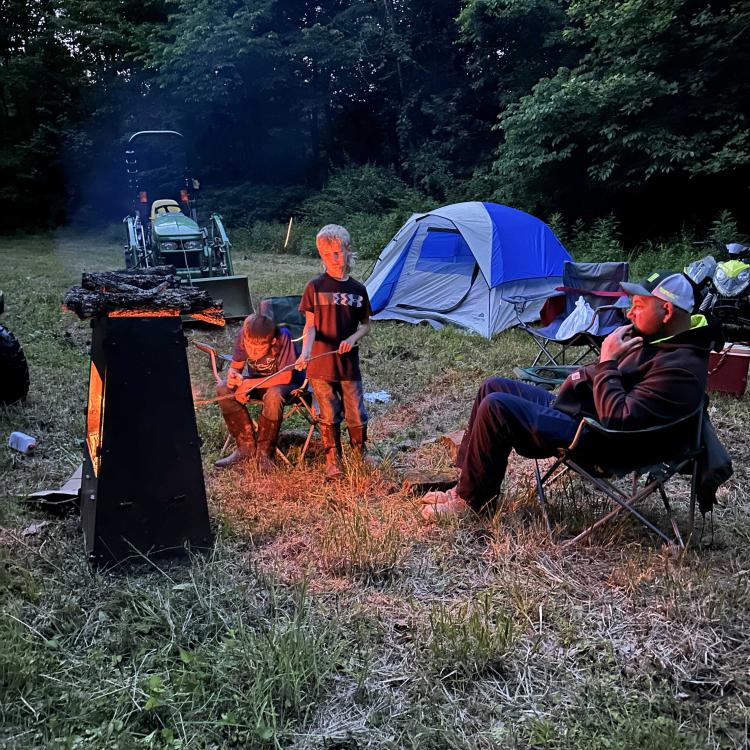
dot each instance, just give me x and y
(619, 343)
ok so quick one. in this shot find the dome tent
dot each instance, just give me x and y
(455, 264)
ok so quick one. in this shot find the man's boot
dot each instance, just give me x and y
(241, 429)
(331, 434)
(268, 437)
(358, 441)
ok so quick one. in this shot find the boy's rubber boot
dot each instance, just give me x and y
(268, 438)
(358, 441)
(331, 435)
(241, 429)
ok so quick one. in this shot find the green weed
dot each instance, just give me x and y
(467, 639)
(364, 542)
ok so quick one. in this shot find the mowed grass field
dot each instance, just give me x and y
(330, 615)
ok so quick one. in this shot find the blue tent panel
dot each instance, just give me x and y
(382, 297)
(445, 252)
(522, 246)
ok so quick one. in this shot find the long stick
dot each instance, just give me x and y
(260, 385)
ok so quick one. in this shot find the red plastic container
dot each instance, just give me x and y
(727, 370)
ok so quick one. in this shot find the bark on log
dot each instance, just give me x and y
(124, 281)
(150, 289)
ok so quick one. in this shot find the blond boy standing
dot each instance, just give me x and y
(337, 316)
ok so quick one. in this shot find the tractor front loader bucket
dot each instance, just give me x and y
(233, 291)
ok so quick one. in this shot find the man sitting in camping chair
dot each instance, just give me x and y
(650, 373)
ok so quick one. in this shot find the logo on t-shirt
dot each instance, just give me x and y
(264, 366)
(339, 298)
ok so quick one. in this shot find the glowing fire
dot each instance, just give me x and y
(94, 415)
(211, 315)
(169, 313)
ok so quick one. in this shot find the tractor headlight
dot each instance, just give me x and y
(193, 245)
(743, 279)
(168, 246)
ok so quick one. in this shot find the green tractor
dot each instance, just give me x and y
(163, 226)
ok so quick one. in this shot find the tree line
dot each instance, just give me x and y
(637, 108)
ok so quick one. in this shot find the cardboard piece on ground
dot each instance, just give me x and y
(452, 442)
(421, 482)
(65, 494)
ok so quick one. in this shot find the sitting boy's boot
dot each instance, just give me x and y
(268, 437)
(331, 435)
(241, 429)
(358, 441)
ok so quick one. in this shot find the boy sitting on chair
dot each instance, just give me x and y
(264, 350)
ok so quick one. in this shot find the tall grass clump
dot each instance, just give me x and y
(466, 639)
(674, 254)
(271, 237)
(245, 203)
(371, 202)
(363, 542)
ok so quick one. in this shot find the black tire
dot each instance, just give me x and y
(14, 370)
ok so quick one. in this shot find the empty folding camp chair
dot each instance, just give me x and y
(603, 458)
(599, 285)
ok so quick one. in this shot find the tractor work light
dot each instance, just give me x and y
(168, 246)
(193, 245)
(143, 197)
(184, 197)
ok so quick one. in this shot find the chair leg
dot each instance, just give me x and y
(542, 498)
(551, 359)
(693, 498)
(623, 502)
(668, 508)
(540, 494)
(307, 443)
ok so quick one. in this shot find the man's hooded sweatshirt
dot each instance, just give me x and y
(653, 385)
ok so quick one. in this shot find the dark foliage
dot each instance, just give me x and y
(589, 109)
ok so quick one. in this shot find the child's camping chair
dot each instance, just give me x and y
(602, 456)
(599, 286)
(285, 311)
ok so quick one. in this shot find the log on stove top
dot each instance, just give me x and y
(152, 290)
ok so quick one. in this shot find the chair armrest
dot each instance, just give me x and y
(215, 356)
(207, 348)
(606, 432)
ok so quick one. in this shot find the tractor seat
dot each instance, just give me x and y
(164, 206)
